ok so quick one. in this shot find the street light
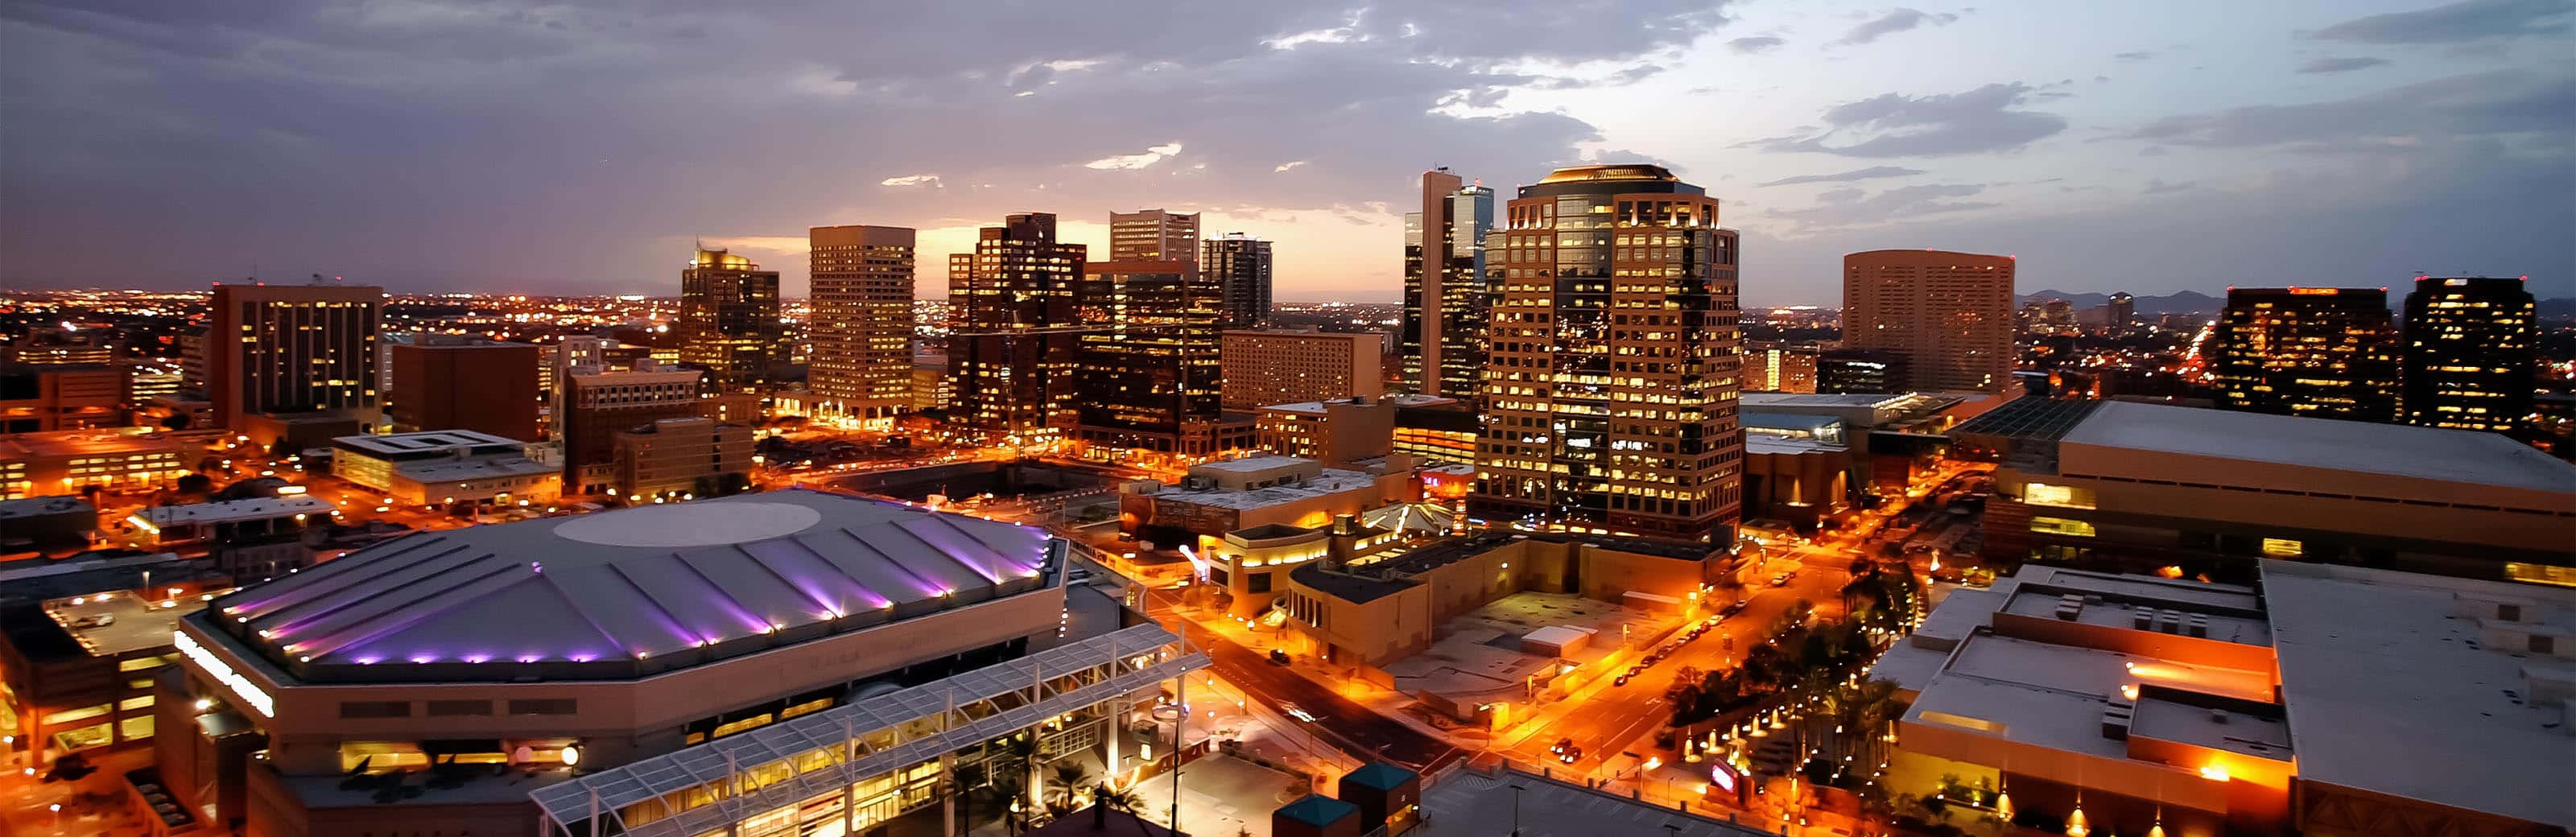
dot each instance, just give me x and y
(1516, 809)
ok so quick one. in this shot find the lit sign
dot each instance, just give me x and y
(2315, 291)
(215, 667)
(1722, 775)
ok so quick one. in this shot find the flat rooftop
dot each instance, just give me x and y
(133, 623)
(599, 595)
(2358, 447)
(2041, 602)
(83, 443)
(1333, 481)
(399, 444)
(1251, 464)
(2389, 691)
(44, 506)
(474, 469)
(1758, 400)
(233, 511)
(2053, 696)
(1756, 441)
(1466, 803)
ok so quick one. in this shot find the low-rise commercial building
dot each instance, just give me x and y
(682, 457)
(228, 521)
(1797, 468)
(445, 467)
(1341, 433)
(61, 397)
(1220, 497)
(1251, 565)
(2321, 700)
(793, 662)
(67, 461)
(42, 523)
(2141, 486)
(76, 670)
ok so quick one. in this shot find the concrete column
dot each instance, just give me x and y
(948, 792)
(1110, 767)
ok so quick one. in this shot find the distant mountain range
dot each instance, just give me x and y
(2183, 302)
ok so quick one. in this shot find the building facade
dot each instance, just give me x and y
(1149, 374)
(1014, 348)
(292, 349)
(1779, 367)
(1861, 371)
(1611, 390)
(35, 399)
(2315, 352)
(67, 461)
(682, 458)
(1152, 235)
(1949, 315)
(2469, 356)
(1240, 264)
(1339, 433)
(599, 404)
(1445, 288)
(728, 321)
(861, 323)
(446, 467)
(474, 384)
(1284, 367)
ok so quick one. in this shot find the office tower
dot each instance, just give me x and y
(1610, 395)
(460, 382)
(1872, 371)
(2124, 313)
(1240, 264)
(599, 404)
(2469, 355)
(1152, 235)
(1012, 349)
(1779, 367)
(66, 345)
(729, 320)
(1285, 367)
(1149, 376)
(1445, 292)
(292, 349)
(682, 458)
(861, 323)
(1949, 316)
(2320, 352)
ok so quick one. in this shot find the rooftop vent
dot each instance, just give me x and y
(2218, 716)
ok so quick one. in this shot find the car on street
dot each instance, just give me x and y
(1561, 745)
(1297, 712)
(1781, 580)
(1571, 755)
(1278, 656)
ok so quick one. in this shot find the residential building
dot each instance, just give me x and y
(1862, 371)
(1152, 235)
(1630, 430)
(456, 382)
(1779, 367)
(1148, 376)
(1341, 433)
(67, 461)
(728, 322)
(2138, 704)
(1948, 315)
(1220, 497)
(1445, 288)
(2316, 352)
(1012, 353)
(1280, 367)
(292, 349)
(2139, 487)
(629, 643)
(599, 404)
(1240, 265)
(446, 467)
(861, 323)
(2470, 355)
(682, 457)
(52, 397)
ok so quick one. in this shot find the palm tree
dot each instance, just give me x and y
(1067, 780)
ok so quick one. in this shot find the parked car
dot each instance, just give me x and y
(1278, 656)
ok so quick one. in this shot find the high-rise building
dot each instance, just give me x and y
(2124, 313)
(1948, 315)
(729, 319)
(1149, 374)
(599, 404)
(861, 323)
(1445, 289)
(2469, 355)
(1240, 264)
(1779, 367)
(292, 349)
(1611, 392)
(1874, 371)
(1012, 351)
(2320, 352)
(457, 382)
(1152, 235)
(1284, 367)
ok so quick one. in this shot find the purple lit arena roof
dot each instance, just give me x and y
(627, 593)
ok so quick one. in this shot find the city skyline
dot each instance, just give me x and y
(2436, 125)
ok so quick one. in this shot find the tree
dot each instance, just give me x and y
(175, 421)
(196, 484)
(1066, 782)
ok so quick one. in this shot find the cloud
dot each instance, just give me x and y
(2490, 103)
(1895, 125)
(1288, 165)
(2133, 56)
(1892, 23)
(1851, 206)
(1846, 177)
(2468, 20)
(1152, 155)
(2157, 186)
(2340, 65)
(930, 180)
(1756, 43)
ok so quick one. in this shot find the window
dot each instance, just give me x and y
(135, 728)
(375, 709)
(460, 707)
(2043, 494)
(2282, 548)
(2541, 644)
(1257, 582)
(142, 663)
(133, 703)
(544, 706)
(53, 719)
(2061, 526)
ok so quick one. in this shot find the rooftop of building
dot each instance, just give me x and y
(1758, 400)
(2390, 690)
(1616, 171)
(625, 593)
(442, 471)
(2031, 418)
(1756, 441)
(1420, 400)
(52, 443)
(1467, 802)
(1252, 464)
(1331, 481)
(1318, 810)
(399, 444)
(44, 506)
(113, 623)
(1757, 420)
(232, 511)
(2460, 456)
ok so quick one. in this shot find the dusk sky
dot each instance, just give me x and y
(579, 147)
